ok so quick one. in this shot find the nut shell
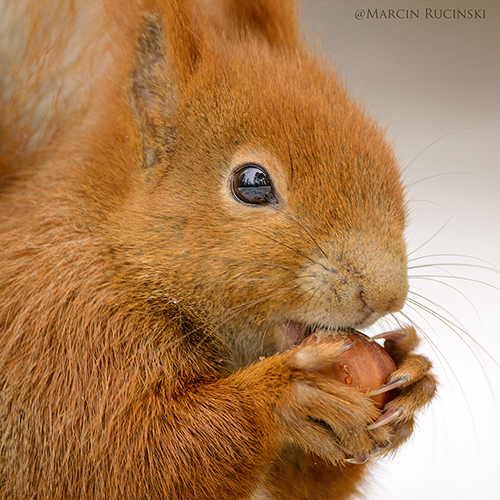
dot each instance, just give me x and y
(366, 366)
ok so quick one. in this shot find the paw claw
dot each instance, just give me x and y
(382, 445)
(399, 343)
(386, 418)
(395, 335)
(357, 459)
(396, 384)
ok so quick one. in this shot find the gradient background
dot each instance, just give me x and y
(435, 85)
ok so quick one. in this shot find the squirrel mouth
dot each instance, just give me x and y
(296, 333)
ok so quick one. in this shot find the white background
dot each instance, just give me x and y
(435, 85)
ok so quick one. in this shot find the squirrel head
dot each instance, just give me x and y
(261, 198)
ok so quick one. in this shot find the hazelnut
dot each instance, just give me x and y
(366, 366)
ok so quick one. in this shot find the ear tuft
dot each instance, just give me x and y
(149, 62)
(153, 94)
(275, 20)
(168, 54)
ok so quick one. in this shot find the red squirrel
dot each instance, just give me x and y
(186, 193)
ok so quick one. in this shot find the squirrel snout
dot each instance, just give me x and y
(356, 288)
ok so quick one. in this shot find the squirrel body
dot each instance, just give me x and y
(149, 304)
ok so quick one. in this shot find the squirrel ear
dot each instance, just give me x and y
(275, 20)
(153, 91)
(167, 55)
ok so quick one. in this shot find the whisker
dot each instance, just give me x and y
(248, 305)
(429, 256)
(454, 289)
(244, 280)
(298, 252)
(439, 353)
(303, 225)
(236, 259)
(433, 236)
(243, 307)
(456, 329)
(453, 264)
(416, 200)
(439, 175)
(433, 143)
(234, 312)
(435, 304)
(442, 358)
(317, 293)
(247, 261)
(461, 278)
(277, 313)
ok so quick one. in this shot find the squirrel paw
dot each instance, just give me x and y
(328, 418)
(322, 415)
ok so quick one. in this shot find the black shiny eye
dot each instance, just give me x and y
(252, 185)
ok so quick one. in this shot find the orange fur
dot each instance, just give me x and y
(144, 311)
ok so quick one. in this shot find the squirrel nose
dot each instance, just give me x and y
(384, 300)
(379, 272)
(362, 296)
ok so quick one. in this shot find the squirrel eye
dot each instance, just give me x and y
(252, 185)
